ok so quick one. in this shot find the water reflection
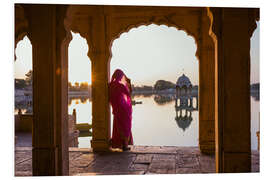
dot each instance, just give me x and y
(163, 99)
(179, 124)
(255, 95)
(78, 100)
(24, 110)
(83, 107)
(183, 121)
(184, 106)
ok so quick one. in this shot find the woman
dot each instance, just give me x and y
(120, 100)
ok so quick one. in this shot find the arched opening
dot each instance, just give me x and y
(154, 57)
(79, 92)
(23, 78)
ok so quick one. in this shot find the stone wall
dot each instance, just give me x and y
(23, 123)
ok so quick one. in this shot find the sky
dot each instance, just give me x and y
(150, 53)
(145, 54)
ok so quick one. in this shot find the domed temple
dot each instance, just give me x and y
(183, 81)
(184, 95)
(184, 102)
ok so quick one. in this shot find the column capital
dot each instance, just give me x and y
(219, 16)
(92, 28)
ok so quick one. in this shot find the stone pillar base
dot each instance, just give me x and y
(207, 147)
(45, 161)
(237, 162)
(100, 146)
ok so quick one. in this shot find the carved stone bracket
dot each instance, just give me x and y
(254, 15)
(214, 30)
(21, 25)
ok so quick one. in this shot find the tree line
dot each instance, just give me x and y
(83, 86)
(23, 83)
(27, 82)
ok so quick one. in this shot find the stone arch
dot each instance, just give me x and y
(21, 26)
(79, 24)
(100, 25)
(156, 21)
(198, 29)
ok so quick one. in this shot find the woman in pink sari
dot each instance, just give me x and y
(120, 100)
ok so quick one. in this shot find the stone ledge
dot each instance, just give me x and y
(75, 149)
(23, 148)
(112, 173)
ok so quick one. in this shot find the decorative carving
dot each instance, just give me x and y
(80, 23)
(165, 19)
(21, 25)
(254, 15)
(214, 15)
(214, 29)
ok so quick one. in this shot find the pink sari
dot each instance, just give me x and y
(122, 111)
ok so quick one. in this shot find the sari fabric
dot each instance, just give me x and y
(122, 111)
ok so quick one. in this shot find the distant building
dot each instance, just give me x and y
(183, 81)
(19, 95)
(28, 93)
(183, 91)
(184, 101)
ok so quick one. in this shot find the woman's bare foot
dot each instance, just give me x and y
(110, 142)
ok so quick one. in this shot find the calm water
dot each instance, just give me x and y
(154, 124)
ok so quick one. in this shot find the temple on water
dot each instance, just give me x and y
(184, 101)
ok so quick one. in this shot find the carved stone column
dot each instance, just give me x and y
(99, 55)
(231, 31)
(206, 88)
(50, 103)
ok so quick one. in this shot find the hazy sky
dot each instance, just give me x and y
(149, 53)
(79, 64)
(146, 54)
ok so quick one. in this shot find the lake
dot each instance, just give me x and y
(154, 123)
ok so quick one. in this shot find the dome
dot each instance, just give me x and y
(183, 81)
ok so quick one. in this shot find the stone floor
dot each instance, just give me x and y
(140, 160)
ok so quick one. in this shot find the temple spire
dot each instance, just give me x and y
(183, 70)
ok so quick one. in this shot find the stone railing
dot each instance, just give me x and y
(24, 123)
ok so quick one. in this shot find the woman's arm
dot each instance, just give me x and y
(129, 85)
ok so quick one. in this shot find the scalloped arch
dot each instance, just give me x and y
(21, 27)
(158, 23)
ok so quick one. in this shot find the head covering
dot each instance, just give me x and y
(117, 75)
(115, 81)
